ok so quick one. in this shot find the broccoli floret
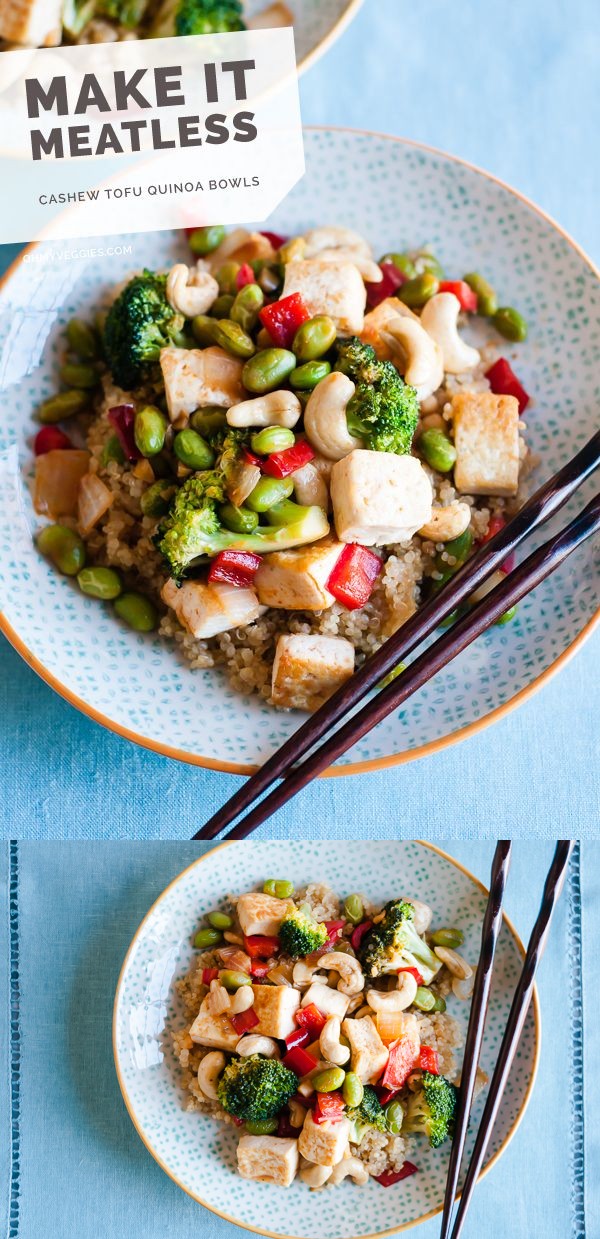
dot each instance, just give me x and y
(138, 325)
(255, 1088)
(127, 13)
(370, 1113)
(431, 1111)
(300, 935)
(394, 943)
(192, 528)
(177, 17)
(384, 410)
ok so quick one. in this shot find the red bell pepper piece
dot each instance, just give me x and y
(299, 1061)
(329, 1108)
(258, 969)
(282, 464)
(245, 276)
(334, 930)
(429, 1060)
(359, 933)
(49, 439)
(245, 1021)
(234, 568)
(209, 974)
(311, 1020)
(392, 279)
(283, 318)
(401, 1062)
(464, 294)
(274, 237)
(414, 972)
(122, 417)
(238, 1122)
(299, 1037)
(259, 946)
(251, 458)
(284, 1127)
(386, 1095)
(497, 522)
(389, 1177)
(354, 575)
(504, 382)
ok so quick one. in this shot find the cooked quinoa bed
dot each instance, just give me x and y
(398, 1050)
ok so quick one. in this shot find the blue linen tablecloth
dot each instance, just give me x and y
(512, 88)
(71, 1163)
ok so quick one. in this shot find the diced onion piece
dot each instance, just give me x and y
(94, 500)
(57, 477)
(390, 1026)
(241, 481)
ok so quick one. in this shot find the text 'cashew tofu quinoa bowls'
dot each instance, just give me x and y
(320, 1029)
(280, 448)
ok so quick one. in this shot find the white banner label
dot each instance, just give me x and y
(145, 135)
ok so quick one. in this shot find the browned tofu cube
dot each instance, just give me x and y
(213, 1030)
(268, 1159)
(308, 668)
(275, 1006)
(324, 1144)
(368, 1054)
(261, 914)
(486, 437)
(296, 580)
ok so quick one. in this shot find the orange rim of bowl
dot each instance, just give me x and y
(380, 1234)
(376, 763)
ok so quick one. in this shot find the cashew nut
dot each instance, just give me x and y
(415, 354)
(423, 914)
(315, 1176)
(454, 962)
(304, 974)
(209, 1071)
(297, 1112)
(349, 1166)
(234, 939)
(310, 487)
(329, 1042)
(191, 292)
(242, 1000)
(277, 408)
(334, 237)
(463, 987)
(396, 1000)
(355, 1002)
(445, 524)
(253, 1043)
(217, 999)
(439, 318)
(367, 267)
(351, 979)
(325, 417)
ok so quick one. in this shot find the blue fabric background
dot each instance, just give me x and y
(512, 87)
(81, 1170)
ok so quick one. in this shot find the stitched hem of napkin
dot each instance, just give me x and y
(15, 1044)
(576, 1004)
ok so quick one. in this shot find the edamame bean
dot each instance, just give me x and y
(272, 439)
(112, 450)
(314, 338)
(156, 499)
(231, 337)
(64, 404)
(77, 374)
(352, 1090)
(206, 937)
(438, 450)
(440, 1004)
(209, 420)
(268, 369)
(262, 1127)
(292, 250)
(306, 376)
(353, 909)
(149, 430)
(83, 339)
(238, 520)
(203, 330)
(510, 324)
(424, 1000)
(226, 277)
(221, 308)
(425, 261)
(204, 240)
(234, 980)
(279, 887)
(402, 262)
(458, 548)
(416, 292)
(451, 938)
(102, 583)
(246, 307)
(394, 1117)
(219, 920)
(507, 617)
(63, 547)
(329, 1080)
(137, 611)
(192, 450)
(487, 301)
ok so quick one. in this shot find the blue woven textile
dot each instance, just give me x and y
(78, 1167)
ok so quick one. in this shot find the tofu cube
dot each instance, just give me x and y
(268, 1159)
(336, 289)
(308, 668)
(261, 914)
(213, 1030)
(295, 580)
(486, 438)
(324, 1144)
(195, 377)
(328, 1001)
(207, 609)
(379, 497)
(368, 1054)
(275, 1006)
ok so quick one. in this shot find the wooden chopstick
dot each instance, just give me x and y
(515, 1024)
(483, 978)
(524, 578)
(543, 504)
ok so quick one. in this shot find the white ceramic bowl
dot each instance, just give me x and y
(199, 1153)
(317, 24)
(400, 195)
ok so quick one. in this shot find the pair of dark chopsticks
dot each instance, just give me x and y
(282, 765)
(514, 1027)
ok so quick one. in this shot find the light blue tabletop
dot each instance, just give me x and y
(513, 88)
(77, 1167)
